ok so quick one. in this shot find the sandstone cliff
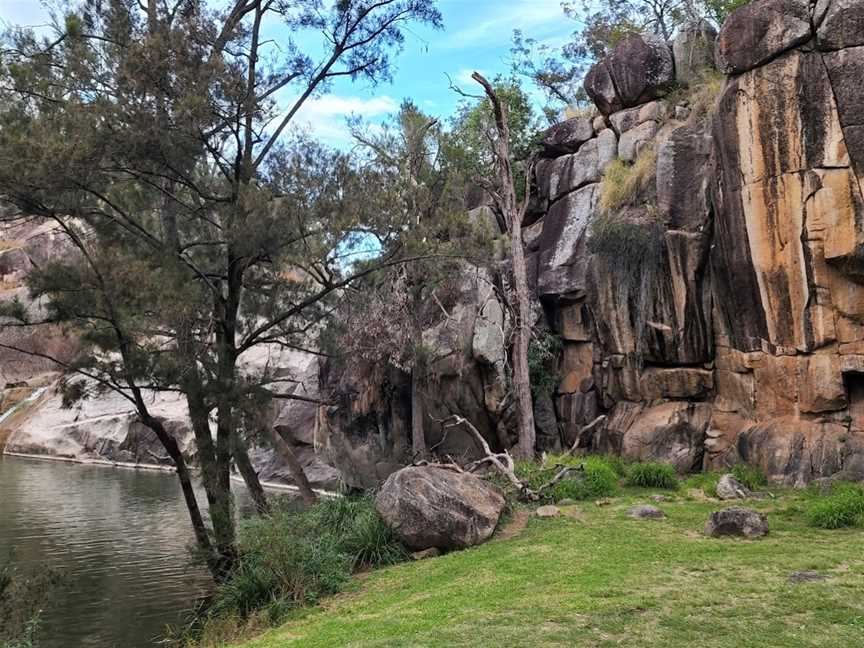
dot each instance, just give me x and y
(736, 332)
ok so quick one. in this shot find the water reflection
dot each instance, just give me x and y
(118, 537)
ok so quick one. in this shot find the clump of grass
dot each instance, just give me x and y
(624, 184)
(294, 558)
(843, 508)
(706, 482)
(652, 475)
(751, 476)
(596, 479)
(702, 95)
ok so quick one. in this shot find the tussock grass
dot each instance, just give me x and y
(652, 475)
(844, 507)
(293, 559)
(751, 476)
(625, 184)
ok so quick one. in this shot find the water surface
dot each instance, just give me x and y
(119, 539)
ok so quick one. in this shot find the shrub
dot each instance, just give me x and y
(843, 508)
(652, 475)
(295, 558)
(22, 596)
(543, 351)
(626, 184)
(751, 476)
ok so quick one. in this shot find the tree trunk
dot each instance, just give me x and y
(504, 195)
(244, 466)
(521, 377)
(418, 432)
(287, 453)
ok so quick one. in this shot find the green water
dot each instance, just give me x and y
(119, 539)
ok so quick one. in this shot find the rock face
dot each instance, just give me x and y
(760, 31)
(367, 434)
(433, 507)
(737, 521)
(693, 50)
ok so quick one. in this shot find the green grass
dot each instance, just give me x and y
(844, 507)
(602, 579)
(652, 475)
(598, 478)
(751, 476)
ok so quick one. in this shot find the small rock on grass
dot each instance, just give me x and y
(806, 577)
(646, 512)
(547, 511)
(730, 488)
(737, 521)
(432, 552)
(659, 498)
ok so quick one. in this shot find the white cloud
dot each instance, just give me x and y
(23, 12)
(527, 15)
(325, 116)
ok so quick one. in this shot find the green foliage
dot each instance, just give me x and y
(597, 477)
(295, 558)
(607, 580)
(543, 352)
(751, 476)
(844, 507)
(705, 481)
(466, 149)
(719, 10)
(22, 596)
(652, 475)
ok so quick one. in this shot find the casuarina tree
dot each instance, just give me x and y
(208, 239)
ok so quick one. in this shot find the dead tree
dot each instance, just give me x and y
(503, 192)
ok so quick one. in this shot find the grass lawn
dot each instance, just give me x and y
(598, 578)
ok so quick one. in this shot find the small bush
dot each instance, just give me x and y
(22, 597)
(751, 476)
(543, 352)
(626, 184)
(652, 475)
(843, 508)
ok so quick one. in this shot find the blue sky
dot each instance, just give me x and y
(476, 36)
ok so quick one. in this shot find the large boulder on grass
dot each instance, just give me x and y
(428, 507)
(737, 521)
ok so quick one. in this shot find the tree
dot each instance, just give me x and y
(502, 189)
(150, 135)
(386, 320)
